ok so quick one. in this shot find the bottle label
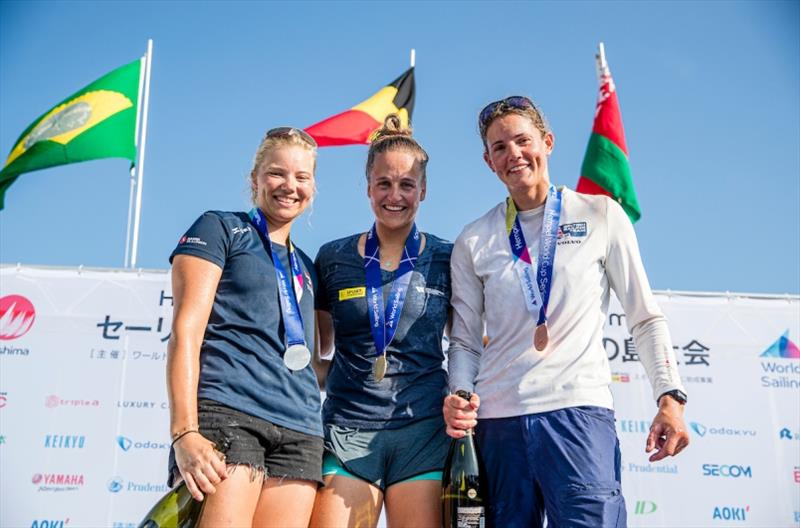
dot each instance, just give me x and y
(470, 517)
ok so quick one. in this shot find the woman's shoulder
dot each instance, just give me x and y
(225, 217)
(338, 245)
(581, 203)
(437, 244)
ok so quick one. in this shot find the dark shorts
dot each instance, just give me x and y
(562, 464)
(265, 448)
(388, 456)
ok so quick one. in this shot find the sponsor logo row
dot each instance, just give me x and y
(735, 471)
(125, 443)
(722, 513)
(53, 401)
(700, 430)
(61, 482)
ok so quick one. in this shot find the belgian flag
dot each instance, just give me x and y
(356, 125)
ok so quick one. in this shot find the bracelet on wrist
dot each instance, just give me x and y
(182, 434)
(190, 427)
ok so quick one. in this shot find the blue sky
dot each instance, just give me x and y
(708, 91)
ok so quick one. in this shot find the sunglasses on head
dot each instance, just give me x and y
(515, 101)
(291, 131)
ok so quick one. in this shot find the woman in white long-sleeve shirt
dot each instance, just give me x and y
(538, 269)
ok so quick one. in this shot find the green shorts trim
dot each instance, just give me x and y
(331, 466)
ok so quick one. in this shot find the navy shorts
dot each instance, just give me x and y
(564, 464)
(267, 449)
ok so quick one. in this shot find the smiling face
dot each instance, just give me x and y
(395, 188)
(283, 183)
(517, 151)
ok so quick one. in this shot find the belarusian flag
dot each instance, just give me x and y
(96, 122)
(605, 168)
(356, 125)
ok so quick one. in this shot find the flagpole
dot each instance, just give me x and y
(140, 164)
(602, 65)
(133, 167)
(413, 57)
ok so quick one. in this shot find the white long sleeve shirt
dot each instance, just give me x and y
(596, 251)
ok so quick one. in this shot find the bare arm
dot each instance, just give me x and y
(194, 284)
(324, 352)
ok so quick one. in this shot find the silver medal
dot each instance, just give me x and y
(297, 357)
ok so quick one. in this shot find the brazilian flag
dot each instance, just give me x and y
(96, 122)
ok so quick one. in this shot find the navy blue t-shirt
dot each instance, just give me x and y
(415, 380)
(241, 358)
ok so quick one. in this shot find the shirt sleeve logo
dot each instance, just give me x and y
(352, 293)
(192, 240)
(240, 230)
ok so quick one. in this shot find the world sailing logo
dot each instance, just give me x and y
(783, 347)
(777, 373)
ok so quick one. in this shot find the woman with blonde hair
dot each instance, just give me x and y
(383, 300)
(238, 371)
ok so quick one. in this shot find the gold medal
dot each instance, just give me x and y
(541, 337)
(379, 368)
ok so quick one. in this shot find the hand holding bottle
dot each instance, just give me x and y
(460, 414)
(200, 464)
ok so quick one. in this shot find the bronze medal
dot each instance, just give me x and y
(541, 337)
(379, 368)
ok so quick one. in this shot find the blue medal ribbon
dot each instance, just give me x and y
(384, 324)
(290, 309)
(536, 287)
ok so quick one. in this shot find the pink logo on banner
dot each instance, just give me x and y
(37, 478)
(16, 316)
(52, 401)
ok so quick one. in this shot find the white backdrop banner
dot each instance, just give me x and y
(84, 419)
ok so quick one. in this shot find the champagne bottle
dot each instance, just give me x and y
(177, 509)
(463, 483)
